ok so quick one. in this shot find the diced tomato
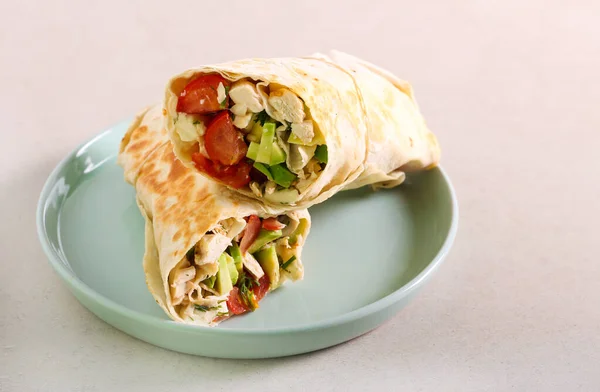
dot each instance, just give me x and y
(200, 95)
(235, 176)
(272, 224)
(224, 143)
(250, 234)
(261, 290)
(235, 303)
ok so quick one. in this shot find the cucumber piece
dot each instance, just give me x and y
(252, 151)
(277, 155)
(266, 144)
(282, 176)
(255, 133)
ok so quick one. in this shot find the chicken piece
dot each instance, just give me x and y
(205, 270)
(255, 188)
(270, 187)
(183, 275)
(239, 109)
(283, 243)
(180, 279)
(244, 92)
(219, 229)
(299, 156)
(210, 247)
(304, 131)
(192, 288)
(242, 121)
(291, 223)
(253, 266)
(288, 107)
(189, 128)
(313, 166)
(234, 226)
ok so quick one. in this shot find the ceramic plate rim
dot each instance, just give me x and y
(82, 288)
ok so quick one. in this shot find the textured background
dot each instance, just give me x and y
(510, 88)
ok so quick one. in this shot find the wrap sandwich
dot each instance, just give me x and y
(210, 253)
(294, 131)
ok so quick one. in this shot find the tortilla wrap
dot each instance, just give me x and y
(187, 214)
(367, 118)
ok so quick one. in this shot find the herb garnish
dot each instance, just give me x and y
(204, 308)
(287, 263)
(262, 117)
(222, 104)
(246, 284)
(196, 122)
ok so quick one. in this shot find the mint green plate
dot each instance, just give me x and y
(367, 255)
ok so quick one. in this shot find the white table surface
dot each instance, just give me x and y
(512, 92)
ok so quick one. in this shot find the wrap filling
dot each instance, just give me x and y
(251, 135)
(235, 264)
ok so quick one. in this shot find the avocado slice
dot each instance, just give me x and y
(317, 140)
(299, 157)
(223, 284)
(255, 133)
(233, 272)
(293, 139)
(266, 143)
(252, 151)
(210, 281)
(282, 176)
(190, 254)
(264, 237)
(321, 153)
(299, 230)
(270, 264)
(277, 155)
(236, 253)
(264, 169)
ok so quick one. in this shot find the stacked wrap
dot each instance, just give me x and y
(180, 207)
